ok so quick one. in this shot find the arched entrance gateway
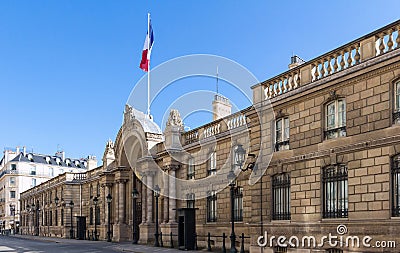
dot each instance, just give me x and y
(132, 171)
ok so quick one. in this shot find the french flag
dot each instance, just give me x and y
(148, 44)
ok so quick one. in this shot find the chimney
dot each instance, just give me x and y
(17, 150)
(24, 150)
(91, 162)
(221, 107)
(61, 154)
(295, 61)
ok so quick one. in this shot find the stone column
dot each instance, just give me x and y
(121, 201)
(172, 194)
(144, 196)
(166, 196)
(149, 203)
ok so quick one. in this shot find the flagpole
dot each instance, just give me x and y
(148, 73)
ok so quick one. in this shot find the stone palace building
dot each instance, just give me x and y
(316, 160)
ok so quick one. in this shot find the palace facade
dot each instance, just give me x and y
(321, 147)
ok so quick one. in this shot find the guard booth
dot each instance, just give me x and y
(80, 227)
(186, 228)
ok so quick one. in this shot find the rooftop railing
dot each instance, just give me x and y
(228, 123)
(377, 43)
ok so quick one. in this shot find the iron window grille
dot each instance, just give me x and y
(191, 169)
(238, 204)
(212, 167)
(278, 249)
(281, 197)
(335, 113)
(334, 251)
(335, 191)
(211, 206)
(395, 164)
(282, 134)
(190, 202)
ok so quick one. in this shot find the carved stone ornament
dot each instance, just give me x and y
(110, 147)
(174, 119)
(128, 113)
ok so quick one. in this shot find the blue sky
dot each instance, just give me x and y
(67, 67)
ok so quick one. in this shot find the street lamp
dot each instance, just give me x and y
(95, 201)
(135, 196)
(156, 195)
(239, 159)
(231, 178)
(71, 231)
(12, 212)
(109, 199)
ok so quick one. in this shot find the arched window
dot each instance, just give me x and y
(211, 206)
(335, 119)
(191, 169)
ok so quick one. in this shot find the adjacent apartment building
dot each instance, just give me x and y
(21, 170)
(313, 166)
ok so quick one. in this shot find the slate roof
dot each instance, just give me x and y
(38, 158)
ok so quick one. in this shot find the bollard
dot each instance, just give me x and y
(171, 240)
(208, 241)
(161, 241)
(242, 246)
(223, 243)
(195, 241)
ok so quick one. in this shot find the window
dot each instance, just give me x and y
(56, 217)
(98, 190)
(212, 206)
(91, 191)
(282, 134)
(281, 197)
(33, 170)
(12, 181)
(335, 119)
(335, 191)
(395, 186)
(191, 169)
(12, 194)
(61, 171)
(396, 111)
(62, 217)
(238, 204)
(33, 182)
(212, 166)
(51, 172)
(190, 202)
(91, 216)
(13, 167)
(51, 218)
(97, 220)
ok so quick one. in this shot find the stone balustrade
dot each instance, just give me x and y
(228, 123)
(360, 50)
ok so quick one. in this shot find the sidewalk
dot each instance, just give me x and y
(121, 246)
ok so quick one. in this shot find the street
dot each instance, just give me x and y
(34, 244)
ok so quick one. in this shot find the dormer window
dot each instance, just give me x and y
(68, 162)
(58, 160)
(77, 163)
(48, 160)
(30, 157)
